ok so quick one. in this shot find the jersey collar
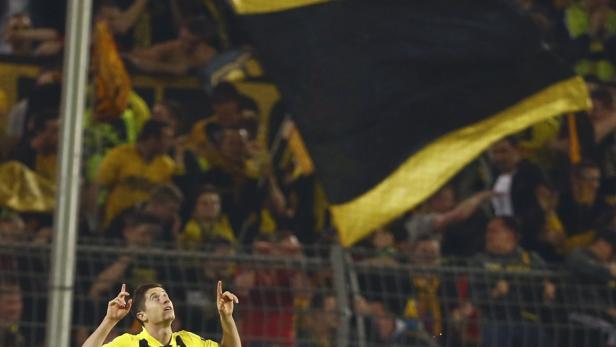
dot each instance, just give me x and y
(152, 342)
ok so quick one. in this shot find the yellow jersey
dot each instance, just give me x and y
(129, 178)
(186, 339)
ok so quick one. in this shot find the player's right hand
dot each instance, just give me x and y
(119, 307)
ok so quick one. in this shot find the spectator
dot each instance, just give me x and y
(130, 172)
(207, 222)
(46, 94)
(13, 230)
(262, 288)
(433, 299)
(320, 323)
(305, 209)
(20, 268)
(221, 153)
(191, 50)
(575, 131)
(169, 111)
(603, 114)
(12, 227)
(510, 311)
(139, 24)
(9, 8)
(516, 181)
(164, 203)
(516, 188)
(237, 178)
(426, 251)
(424, 304)
(603, 119)
(231, 110)
(139, 234)
(45, 145)
(401, 307)
(595, 261)
(225, 139)
(11, 310)
(385, 328)
(234, 153)
(106, 129)
(121, 21)
(590, 295)
(580, 207)
(595, 134)
(22, 39)
(440, 215)
(550, 242)
(39, 149)
(43, 98)
(201, 282)
(382, 249)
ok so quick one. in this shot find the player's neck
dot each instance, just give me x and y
(162, 333)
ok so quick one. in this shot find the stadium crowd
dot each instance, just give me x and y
(165, 177)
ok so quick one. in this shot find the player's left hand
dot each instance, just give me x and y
(225, 301)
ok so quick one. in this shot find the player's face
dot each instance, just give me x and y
(158, 306)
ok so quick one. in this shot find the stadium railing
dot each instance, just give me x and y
(323, 297)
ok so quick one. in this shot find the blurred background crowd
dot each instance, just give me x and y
(192, 171)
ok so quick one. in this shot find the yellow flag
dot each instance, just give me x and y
(112, 84)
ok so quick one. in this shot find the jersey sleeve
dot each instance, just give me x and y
(109, 168)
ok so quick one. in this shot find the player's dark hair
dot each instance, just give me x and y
(139, 298)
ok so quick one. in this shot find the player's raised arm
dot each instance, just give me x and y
(225, 302)
(117, 309)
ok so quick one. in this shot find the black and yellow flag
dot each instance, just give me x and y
(393, 97)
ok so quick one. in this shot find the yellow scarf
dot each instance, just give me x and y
(428, 301)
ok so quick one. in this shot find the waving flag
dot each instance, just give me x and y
(393, 97)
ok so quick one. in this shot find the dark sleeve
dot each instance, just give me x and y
(581, 264)
(526, 179)
(479, 282)
(532, 176)
(525, 204)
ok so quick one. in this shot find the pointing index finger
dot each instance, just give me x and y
(123, 287)
(219, 289)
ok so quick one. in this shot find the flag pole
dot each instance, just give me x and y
(75, 72)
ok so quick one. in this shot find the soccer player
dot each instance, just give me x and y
(154, 310)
